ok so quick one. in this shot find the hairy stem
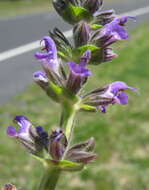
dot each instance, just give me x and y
(68, 124)
(50, 179)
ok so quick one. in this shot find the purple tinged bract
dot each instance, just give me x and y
(104, 17)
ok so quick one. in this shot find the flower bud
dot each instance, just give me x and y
(81, 33)
(71, 11)
(58, 143)
(102, 55)
(92, 5)
(104, 17)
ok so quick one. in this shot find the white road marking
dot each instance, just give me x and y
(34, 45)
(137, 12)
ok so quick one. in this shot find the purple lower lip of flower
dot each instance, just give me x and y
(122, 98)
(11, 131)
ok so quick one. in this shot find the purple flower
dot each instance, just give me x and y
(49, 57)
(35, 139)
(78, 73)
(115, 31)
(115, 92)
(23, 132)
(81, 69)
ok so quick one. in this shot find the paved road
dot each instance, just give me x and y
(16, 73)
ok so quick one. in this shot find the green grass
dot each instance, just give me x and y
(122, 135)
(11, 8)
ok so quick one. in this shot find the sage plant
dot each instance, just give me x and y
(66, 69)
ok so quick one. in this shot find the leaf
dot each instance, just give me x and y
(84, 48)
(89, 108)
(79, 13)
(70, 166)
(96, 26)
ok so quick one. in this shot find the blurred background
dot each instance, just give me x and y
(122, 135)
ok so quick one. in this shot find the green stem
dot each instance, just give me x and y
(50, 179)
(69, 125)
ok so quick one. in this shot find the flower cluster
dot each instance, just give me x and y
(37, 141)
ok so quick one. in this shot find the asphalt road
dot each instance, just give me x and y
(16, 72)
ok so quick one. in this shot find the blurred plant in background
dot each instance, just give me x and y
(66, 71)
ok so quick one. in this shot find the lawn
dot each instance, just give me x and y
(12, 8)
(122, 135)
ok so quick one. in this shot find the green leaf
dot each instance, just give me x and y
(84, 48)
(80, 13)
(88, 108)
(65, 165)
(73, 14)
(96, 26)
(62, 55)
